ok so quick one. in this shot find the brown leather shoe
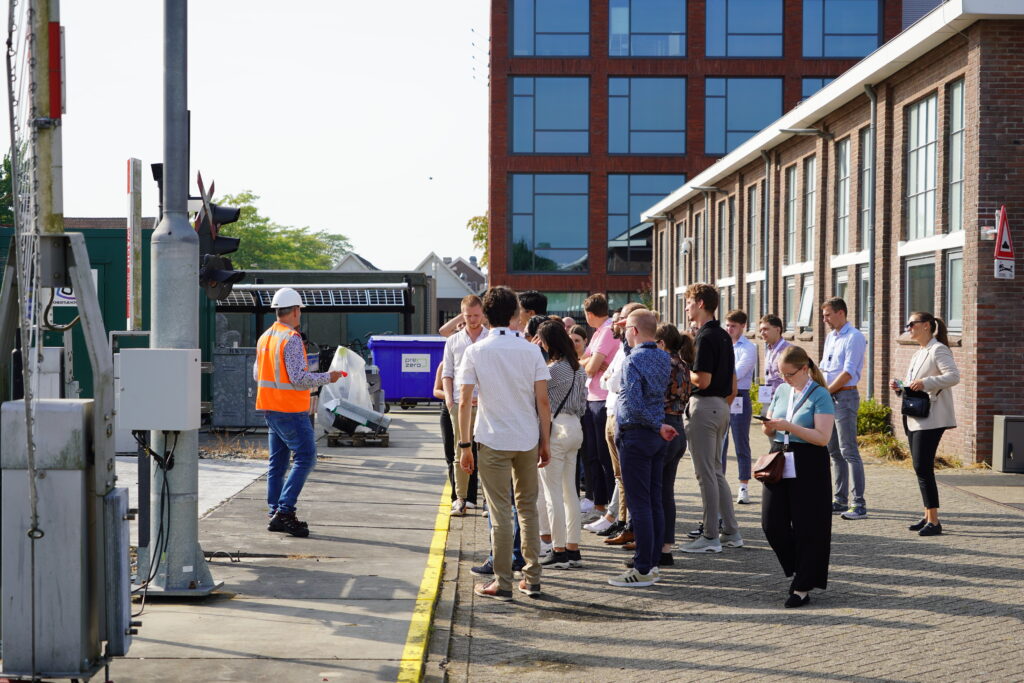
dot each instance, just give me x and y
(629, 546)
(621, 539)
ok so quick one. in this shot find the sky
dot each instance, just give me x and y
(357, 117)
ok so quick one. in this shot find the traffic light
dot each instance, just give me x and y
(216, 274)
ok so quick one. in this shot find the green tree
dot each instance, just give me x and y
(478, 227)
(6, 193)
(267, 245)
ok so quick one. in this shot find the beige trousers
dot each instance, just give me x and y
(461, 477)
(496, 470)
(609, 435)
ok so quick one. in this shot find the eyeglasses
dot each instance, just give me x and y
(910, 324)
(791, 374)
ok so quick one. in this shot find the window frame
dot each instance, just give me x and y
(754, 314)
(919, 261)
(753, 249)
(843, 186)
(863, 293)
(709, 15)
(512, 213)
(955, 150)
(921, 197)
(709, 103)
(513, 97)
(629, 131)
(654, 197)
(513, 33)
(790, 180)
(683, 35)
(866, 191)
(680, 263)
(810, 205)
(824, 35)
(841, 276)
(805, 314)
(954, 324)
(789, 302)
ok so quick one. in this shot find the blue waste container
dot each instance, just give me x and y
(407, 365)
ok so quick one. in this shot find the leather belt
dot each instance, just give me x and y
(853, 388)
(631, 426)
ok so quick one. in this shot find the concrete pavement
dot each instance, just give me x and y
(336, 606)
(899, 607)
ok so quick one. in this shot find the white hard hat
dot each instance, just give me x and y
(286, 297)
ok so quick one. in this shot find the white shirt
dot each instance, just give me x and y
(454, 347)
(746, 359)
(611, 381)
(503, 367)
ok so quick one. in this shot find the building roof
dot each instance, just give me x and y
(468, 272)
(354, 262)
(449, 284)
(105, 223)
(933, 29)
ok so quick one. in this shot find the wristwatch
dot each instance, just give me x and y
(467, 444)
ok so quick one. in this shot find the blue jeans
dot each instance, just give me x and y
(739, 425)
(287, 433)
(597, 461)
(641, 455)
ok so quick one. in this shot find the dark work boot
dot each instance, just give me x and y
(286, 522)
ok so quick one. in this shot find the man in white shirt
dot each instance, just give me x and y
(842, 361)
(513, 425)
(740, 411)
(454, 347)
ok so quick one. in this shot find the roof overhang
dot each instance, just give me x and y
(933, 29)
(322, 298)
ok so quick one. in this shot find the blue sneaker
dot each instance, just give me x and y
(859, 512)
(486, 569)
(838, 508)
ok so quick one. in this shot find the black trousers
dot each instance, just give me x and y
(923, 444)
(597, 461)
(673, 454)
(448, 441)
(796, 516)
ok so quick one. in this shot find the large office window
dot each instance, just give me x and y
(841, 28)
(953, 311)
(863, 294)
(753, 230)
(811, 85)
(731, 239)
(700, 245)
(955, 158)
(744, 28)
(753, 304)
(920, 283)
(866, 190)
(842, 196)
(629, 239)
(566, 304)
(736, 108)
(647, 28)
(680, 258)
(806, 313)
(549, 223)
(789, 302)
(550, 29)
(647, 116)
(840, 280)
(550, 115)
(810, 205)
(922, 130)
(723, 251)
(791, 214)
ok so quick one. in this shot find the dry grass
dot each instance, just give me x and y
(891, 450)
(223, 445)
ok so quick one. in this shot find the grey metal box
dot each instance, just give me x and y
(117, 574)
(1008, 443)
(66, 619)
(234, 389)
(160, 389)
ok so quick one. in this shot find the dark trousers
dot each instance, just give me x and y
(597, 462)
(796, 516)
(448, 442)
(641, 455)
(673, 454)
(923, 444)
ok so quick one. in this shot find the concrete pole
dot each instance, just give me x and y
(175, 314)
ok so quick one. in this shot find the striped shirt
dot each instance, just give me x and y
(564, 381)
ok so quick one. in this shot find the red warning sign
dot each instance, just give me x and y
(1004, 243)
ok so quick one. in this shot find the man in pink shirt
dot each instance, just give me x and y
(597, 462)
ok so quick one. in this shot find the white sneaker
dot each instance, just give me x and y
(655, 573)
(632, 578)
(703, 544)
(458, 508)
(743, 497)
(586, 505)
(600, 525)
(470, 505)
(546, 551)
(731, 540)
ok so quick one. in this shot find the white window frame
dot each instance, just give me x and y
(954, 324)
(842, 233)
(806, 310)
(810, 205)
(955, 156)
(922, 158)
(791, 208)
(916, 262)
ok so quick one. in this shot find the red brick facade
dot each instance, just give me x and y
(988, 58)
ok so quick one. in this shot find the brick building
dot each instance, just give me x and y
(881, 189)
(600, 107)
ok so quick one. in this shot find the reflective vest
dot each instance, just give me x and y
(274, 389)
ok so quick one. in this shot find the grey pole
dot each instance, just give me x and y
(175, 314)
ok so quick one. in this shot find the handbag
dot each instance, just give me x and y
(768, 468)
(916, 404)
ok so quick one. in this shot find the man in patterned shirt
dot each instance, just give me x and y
(642, 434)
(283, 382)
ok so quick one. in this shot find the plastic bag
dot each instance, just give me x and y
(353, 388)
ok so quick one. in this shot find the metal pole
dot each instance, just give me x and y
(175, 314)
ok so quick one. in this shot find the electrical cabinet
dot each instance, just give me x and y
(160, 389)
(1008, 443)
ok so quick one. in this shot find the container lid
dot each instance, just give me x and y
(405, 339)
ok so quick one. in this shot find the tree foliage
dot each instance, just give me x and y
(478, 227)
(266, 245)
(6, 193)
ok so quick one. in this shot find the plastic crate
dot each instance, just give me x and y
(407, 365)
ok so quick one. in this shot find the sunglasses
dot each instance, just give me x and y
(910, 324)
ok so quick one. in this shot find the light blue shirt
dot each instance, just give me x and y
(844, 352)
(746, 359)
(818, 402)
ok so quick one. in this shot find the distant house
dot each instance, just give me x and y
(469, 271)
(450, 287)
(354, 263)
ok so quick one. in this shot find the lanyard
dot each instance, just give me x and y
(790, 411)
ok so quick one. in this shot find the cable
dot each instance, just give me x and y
(165, 463)
(46, 316)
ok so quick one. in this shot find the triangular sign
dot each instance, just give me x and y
(1004, 243)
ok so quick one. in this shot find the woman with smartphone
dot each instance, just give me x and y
(932, 370)
(796, 512)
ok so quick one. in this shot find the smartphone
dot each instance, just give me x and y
(900, 384)
(762, 418)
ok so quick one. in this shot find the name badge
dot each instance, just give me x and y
(789, 466)
(736, 408)
(765, 393)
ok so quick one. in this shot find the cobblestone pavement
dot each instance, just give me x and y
(898, 608)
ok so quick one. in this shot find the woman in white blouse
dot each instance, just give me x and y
(931, 370)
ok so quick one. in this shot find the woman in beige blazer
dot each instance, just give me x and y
(933, 370)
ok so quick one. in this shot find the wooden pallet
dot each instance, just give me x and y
(358, 440)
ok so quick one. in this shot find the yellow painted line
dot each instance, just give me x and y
(415, 653)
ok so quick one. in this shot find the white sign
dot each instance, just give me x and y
(415, 362)
(65, 296)
(1004, 269)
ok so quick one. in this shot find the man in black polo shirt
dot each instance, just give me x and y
(715, 376)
